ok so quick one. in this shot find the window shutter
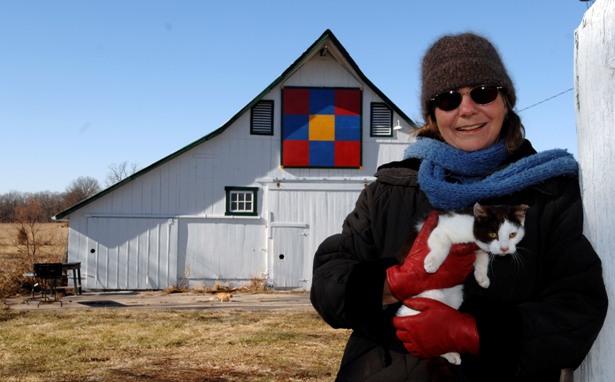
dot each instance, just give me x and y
(381, 120)
(261, 119)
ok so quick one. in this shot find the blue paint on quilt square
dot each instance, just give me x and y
(322, 101)
(296, 127)
(347, 128)
(322, 153)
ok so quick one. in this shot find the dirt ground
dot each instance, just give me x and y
(54, 236)
(162, 300)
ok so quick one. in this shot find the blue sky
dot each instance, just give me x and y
(85, 84)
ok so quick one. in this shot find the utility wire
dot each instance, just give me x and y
(545, 100)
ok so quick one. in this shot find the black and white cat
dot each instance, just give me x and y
(495, 229)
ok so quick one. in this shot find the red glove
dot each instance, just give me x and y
(438, 329)
(410, 278)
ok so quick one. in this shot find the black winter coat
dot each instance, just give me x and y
(541, 313)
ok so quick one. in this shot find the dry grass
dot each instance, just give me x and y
(158, 345)
(14, 261)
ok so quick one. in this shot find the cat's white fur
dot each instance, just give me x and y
(456, 228)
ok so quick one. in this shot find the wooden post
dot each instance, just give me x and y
(594, 66)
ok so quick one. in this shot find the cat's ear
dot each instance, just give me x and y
(520, 212)
(479, 211)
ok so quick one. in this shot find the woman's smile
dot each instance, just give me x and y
(472, 126)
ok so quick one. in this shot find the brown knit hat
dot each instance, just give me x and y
(466, 59)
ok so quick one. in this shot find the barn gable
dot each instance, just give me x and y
(252, 199)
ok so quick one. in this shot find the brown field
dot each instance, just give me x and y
(167, 345)
(52, 235)
(15, 259)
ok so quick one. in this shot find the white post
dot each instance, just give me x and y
(595, 106)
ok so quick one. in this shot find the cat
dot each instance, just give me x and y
(222, 297)
(495, 229)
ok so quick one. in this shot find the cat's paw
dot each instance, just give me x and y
(453, 358)
(482, 279)
(431, 264)
(404, 311)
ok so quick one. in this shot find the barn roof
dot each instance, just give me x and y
(326, 37)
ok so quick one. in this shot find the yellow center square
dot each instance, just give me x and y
(322, 127)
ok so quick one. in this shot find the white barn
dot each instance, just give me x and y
(254, 198)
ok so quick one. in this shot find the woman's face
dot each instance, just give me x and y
(471, 126)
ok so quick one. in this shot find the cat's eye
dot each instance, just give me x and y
(513, 234)
(493, 235)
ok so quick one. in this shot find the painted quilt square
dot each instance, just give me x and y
(322, 101)
(345, 128)
(347, 102)
(297, 101)
(296, 153)
(347, 154)
(322, 154)
(296, 127)
(321, 127)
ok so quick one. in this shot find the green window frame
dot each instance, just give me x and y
(241, 201)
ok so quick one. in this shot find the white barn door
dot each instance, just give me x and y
(289, 252)
(130, 254)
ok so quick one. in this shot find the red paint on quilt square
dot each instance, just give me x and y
(296, 153)
(347, 154)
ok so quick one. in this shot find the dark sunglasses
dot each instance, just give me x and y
(451, 99)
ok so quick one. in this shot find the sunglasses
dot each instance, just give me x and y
(451, 99)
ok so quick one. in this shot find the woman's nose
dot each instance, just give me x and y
(467, 105)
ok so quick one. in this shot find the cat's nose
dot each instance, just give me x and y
(504, 249)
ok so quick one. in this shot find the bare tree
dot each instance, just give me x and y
(81, 189)
(29, 239)
(120, 171)
(8, 203)
(28, 226)
(50, 203)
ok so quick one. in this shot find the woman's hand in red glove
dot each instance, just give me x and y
(436, 330)
(410, 278)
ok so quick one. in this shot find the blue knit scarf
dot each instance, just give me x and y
(476, 173)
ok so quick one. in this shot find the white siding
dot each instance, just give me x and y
(595, 76)
(123, 253)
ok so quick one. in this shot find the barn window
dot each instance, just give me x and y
(381, 120)
(261, 118)
(241, 201)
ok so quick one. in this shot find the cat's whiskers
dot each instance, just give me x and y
(491, 258)
(516, 258)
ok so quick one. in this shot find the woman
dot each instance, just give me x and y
(538, 316)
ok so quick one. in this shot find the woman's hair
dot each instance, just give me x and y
(512, 131)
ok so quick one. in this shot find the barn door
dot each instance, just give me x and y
(289, 246)
(130, 254)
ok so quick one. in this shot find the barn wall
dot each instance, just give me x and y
(189, 190)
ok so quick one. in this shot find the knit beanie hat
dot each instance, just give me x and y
(456, 61)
